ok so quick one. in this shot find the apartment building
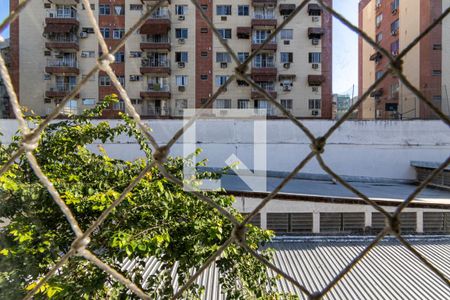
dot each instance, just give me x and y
(4, 97)
(393, 24)
(174, 62)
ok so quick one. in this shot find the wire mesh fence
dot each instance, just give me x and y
(30, 141)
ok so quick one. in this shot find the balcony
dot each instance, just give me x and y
(268, 72)
(271, 46)
(156, 91)
(264, 20)
(155, 43)
(316, 80)
(65, 42)
(264, 2)
(152, 66)
(315, 33)
(158, 23)
(377, 93)
(60, 90)
(62, 66)
(243, 32)
(257, 95)
(61, 21)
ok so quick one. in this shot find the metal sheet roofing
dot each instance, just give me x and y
(389, 271)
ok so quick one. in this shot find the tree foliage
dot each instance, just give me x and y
(156, 220)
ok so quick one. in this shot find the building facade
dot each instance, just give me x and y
(173, 61)
(394, 24)
(4, 98)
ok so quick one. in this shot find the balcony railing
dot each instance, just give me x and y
(63, 39)
(264, 16)
(156, 111)
(263, 64)
(155, 87)
(62, 14)
(155, 40)
(155, 63)
(161, 13)
(62, 87)
(65, 63)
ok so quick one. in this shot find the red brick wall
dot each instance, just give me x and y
(14, 70)
(430, 59)
(327, 63)
(203, 65)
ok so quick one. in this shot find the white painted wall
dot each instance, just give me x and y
(380, 149)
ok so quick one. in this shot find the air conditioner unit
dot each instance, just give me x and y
(133, 78)
(181, 41)
(315, 89)
(223, 18)
(287, 42)
(315, 66)
(315, 19)
(315, 42)
(181, 18)
(181, 65)
(286, 65)
(84, 54)
(285, 17)
(314, 112)
(83, 35)
(59, 54)
(181, 88)
(223, 65)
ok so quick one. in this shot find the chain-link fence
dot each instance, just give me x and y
(31, 137)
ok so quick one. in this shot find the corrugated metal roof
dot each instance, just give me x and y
(389, 271)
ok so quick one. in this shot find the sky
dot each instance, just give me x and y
(345, 45)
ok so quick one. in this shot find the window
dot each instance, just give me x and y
(437, 46)
(286, 103)
(119, 57)
(88, 29)
(259, 36)
(136, 7)
(378, 74)
(243, 103)
(394, 5)
(47, 53)
(395, 48)
(105, 32)
(436, 73)
(314, 103)
(223, 10)
(204, 7)
(121, 80)
(290, 222)
(136, 101)
(314, 57)
(379, 37)
(286, 57)
(118, 33)
(342, 222)
(286, 34)
(181, 10)
(394, 27)
(87, 53)
(242, 56)
(221, 79)
(119, 105)
(378, 20)
(222, 103)
(71, 107)
(135, 77)
(92, 6)
(181, 57)
(264, 60)
(225, 33)
(203, 77)
(104, 9)
(104, 80)
(243, 10)
(223, 57)
(204, 53)
(204, 30)
(135, 54)
(181, 80)
(89, 101)
(119, 10)
(181, 33)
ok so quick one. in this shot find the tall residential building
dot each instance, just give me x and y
(4, 97)
(394, 24)
(174, 61)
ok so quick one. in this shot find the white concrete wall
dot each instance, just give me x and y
(381, 149)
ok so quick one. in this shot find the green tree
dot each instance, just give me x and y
(157, 219)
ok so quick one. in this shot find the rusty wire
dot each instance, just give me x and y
(31, 137)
